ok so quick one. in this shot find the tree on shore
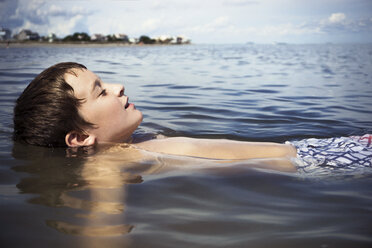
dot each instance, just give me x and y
(111, 38)
(146, 40)
(77, 37)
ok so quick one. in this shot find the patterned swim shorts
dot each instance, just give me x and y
(341, 154)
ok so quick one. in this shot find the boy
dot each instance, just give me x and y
(68, 105)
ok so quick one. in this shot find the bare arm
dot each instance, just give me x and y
(218, 149)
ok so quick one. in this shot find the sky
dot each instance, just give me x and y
(212, 21)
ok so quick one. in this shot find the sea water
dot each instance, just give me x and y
(249, 92)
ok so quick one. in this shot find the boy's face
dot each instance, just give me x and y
(105, 106)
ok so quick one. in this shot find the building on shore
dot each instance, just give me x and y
(121, 37)
(98, 37)
(5, 34)
(182, 40)
(27, 34)
(164, 39)
(52, 37)
(133, 40)
(167, 39)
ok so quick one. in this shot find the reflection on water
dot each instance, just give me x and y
(93, 231)
(93, 186)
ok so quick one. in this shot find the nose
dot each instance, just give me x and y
(119, 90)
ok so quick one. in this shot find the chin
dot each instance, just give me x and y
(140, 118)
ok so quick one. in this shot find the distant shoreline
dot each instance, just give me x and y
(4, 44)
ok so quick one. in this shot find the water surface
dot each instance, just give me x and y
(106, 198)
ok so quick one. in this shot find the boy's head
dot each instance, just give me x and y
(67, 104)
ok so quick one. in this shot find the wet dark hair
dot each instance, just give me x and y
(47, 109)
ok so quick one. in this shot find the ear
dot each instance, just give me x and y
(75, 139)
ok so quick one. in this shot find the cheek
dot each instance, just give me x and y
(112, 111)
(103, 112)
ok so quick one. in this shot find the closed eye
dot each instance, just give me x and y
(103, 93)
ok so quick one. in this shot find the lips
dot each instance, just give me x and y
(129, 105)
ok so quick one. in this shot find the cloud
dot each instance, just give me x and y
(29, 11)
(41, 16)
(337, 17)
(333, 24)
(338, 23)
(224, 25)
(219, 24)
(166, 4)
(288, 29)
(73, 24)
(7, 14)
(56, 10)
(239, 2)
(151, 25)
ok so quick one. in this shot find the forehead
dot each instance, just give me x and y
(81, 80)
